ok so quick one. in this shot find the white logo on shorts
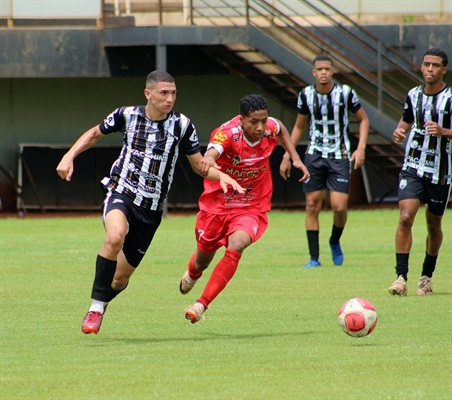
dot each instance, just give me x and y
(255, 228)
(403, 183)
(116, 201)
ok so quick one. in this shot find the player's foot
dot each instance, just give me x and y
(312, 264)
(424, 286)
(337, 255)
(399, 288)
(186, 283)
(194, 312)
(92, 322)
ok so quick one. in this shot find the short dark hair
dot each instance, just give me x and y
(155, 77)
(435, 51)
(322, 57)
(251, 103)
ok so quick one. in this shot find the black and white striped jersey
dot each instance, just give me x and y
(430, 156)
(145, 167)
(329, 121)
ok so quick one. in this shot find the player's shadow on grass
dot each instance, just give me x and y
(209, 336)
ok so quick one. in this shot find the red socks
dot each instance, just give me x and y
(221, 275)
(193, 273)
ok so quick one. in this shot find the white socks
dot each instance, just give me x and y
(98, 306)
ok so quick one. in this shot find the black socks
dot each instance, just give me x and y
(105, 271)
(313, 243)
(429, 265)
(402, 265)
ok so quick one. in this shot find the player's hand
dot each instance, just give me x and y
(226, 180)
(205, 164)
(284, 168)
(306, 175)
(432, 128)
(358, 156)
(65, 169)
(399, 135)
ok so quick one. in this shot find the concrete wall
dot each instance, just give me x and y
(58, 111)
(54, 84)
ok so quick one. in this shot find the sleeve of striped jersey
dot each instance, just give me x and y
(302, 104)
(408, 115)
(190, 142)
(353, 101)
(113, 123)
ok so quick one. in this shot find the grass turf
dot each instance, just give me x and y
(272, 334)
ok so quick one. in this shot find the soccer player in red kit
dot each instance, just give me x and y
(241, 148)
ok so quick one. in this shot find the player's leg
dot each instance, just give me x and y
(313, 206)
(209, 235)
(410, 193)
(242, 231)
(129, 233)
(408, 209)
(438, 199)
(338, 202)
(116, 227)
(313, 190)
(338, 183)
(226, 267)
(199, 261)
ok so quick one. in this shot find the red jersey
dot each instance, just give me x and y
(247, 163)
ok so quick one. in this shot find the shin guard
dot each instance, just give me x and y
(105, 271)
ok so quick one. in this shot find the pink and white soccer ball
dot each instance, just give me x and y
(358, 317)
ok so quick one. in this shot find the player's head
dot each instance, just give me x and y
(160, 93)
(438, 53)
(251, 103)
(155, 77)
(322, 71)
(434, 66)
(254, 114)
(322, 57)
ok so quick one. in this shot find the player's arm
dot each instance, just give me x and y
(213, 173)
(432, 128)
(209, 160)
(65, 168)
(359, 155)
(399, 134)
(405, 123)
(287, 142)
(297, 132)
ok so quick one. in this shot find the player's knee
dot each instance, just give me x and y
(339, 208)
(114, 242)
(406, 220)
(239, 244)
(434, 228)
(313, 207)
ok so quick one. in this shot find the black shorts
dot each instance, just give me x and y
(327, 173)
(143, 224)
(434, 196)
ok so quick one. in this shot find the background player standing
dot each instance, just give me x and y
(327, 105)
(427, 168)
(241, 147)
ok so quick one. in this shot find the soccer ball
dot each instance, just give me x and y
(357, 317)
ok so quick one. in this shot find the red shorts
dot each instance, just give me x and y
(212, 230)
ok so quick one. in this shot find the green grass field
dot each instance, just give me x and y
(272, 334)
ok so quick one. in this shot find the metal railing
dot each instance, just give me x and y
(312, 25)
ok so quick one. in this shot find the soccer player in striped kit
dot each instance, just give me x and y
(426, 172)
(139, 181)
(326, 105)
(241, 147)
